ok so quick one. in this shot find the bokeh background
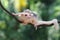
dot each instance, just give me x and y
(47, 10)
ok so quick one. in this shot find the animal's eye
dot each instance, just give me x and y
(25, 14)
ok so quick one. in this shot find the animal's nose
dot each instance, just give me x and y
(29, 16)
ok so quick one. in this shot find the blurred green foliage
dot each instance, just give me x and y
(10, 29)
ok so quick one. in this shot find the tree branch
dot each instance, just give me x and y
(9, 12)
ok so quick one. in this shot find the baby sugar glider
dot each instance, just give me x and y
(27, 16)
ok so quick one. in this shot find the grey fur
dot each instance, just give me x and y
(31, 12)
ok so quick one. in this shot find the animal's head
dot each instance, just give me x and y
(26, 14)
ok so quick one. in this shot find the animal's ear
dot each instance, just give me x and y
(27, 10)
